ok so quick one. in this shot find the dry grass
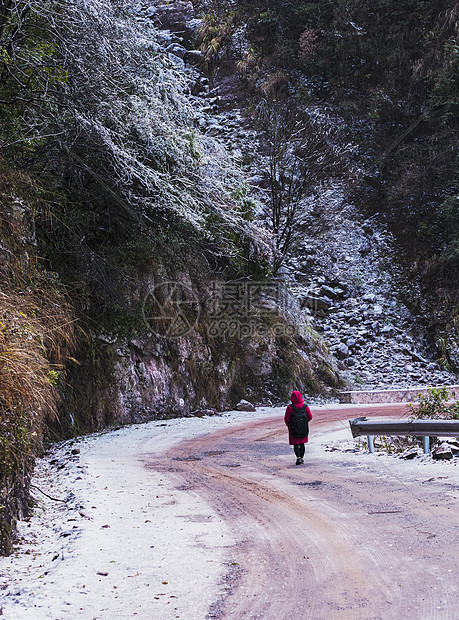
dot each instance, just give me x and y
(36, 333)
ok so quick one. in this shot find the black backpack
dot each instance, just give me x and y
(298, 421)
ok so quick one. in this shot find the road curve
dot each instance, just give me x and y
(342, 537)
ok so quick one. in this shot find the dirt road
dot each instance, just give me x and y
(342, 537)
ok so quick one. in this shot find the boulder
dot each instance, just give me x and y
(341, 351)
(176, 49)
(327, 291)
(174, 15)
(315, 303)
(442, 452)
(245, 405)
(411, 453)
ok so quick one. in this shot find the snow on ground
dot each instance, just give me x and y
(84, 557)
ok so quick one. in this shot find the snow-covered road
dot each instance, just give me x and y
(146, 530)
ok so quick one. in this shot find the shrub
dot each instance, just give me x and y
(434, 405)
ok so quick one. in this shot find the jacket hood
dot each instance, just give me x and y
(296, 397)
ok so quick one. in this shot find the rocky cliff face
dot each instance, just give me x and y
(206, 345)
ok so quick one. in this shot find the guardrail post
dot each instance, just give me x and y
(426, 445)
(371, 445)
(361, 427)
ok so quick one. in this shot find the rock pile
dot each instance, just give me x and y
(370, 336)
(357, 306)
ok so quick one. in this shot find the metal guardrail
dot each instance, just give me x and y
(417, 428)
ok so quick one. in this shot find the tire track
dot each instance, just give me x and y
(324, 540)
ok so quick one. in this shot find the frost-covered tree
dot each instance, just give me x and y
(89, 94)
(303, 151)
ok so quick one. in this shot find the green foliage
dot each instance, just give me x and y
(119, 138)
(444, 96)
(18, 436)
(215, 34)
(268, 18)
(127, 186)
(246, 202)
(119, 321)
(434, 405)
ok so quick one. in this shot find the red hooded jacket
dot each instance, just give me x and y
(297, 400)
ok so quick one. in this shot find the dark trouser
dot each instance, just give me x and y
(299, 450)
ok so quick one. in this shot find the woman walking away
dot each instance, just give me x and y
(297, 418)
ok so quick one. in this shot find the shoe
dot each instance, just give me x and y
(299, 461)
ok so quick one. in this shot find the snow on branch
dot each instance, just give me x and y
(99, 86)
